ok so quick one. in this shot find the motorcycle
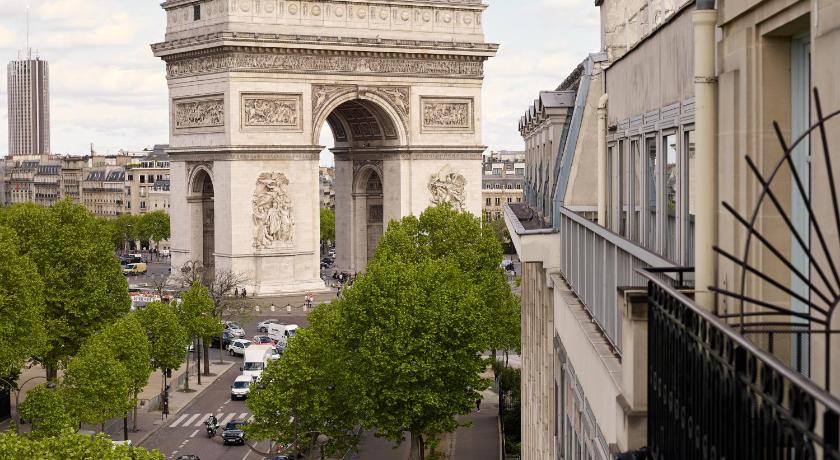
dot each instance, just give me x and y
(211, 429)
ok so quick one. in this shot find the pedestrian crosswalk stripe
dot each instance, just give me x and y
(197, 420)
(176, 422)
(228, 418)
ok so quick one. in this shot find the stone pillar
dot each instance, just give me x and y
(705, 97)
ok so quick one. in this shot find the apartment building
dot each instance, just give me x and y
(147, 183)
(104, 191)
(326, 181)
(72, 174)
(47, 184)
(502, 181)
(653, 313)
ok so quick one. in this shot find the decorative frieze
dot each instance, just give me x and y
(447, 114)
(398, 96)
(205, 114)
(448, 186)
(304, 63)
(273, 213)
(271, 112)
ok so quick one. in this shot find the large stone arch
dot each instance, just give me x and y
(251, 85)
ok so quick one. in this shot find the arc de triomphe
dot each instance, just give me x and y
(251, 84)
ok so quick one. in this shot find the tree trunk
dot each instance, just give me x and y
(416, 452)
(187, 373)
(206, 347)
(221, 349)
(52, 372)
(134, 423)
(198, 359)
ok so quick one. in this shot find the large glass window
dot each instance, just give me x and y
(623, 199)
(652, 191)
(690, 207)
(672, 201)
(636, 170)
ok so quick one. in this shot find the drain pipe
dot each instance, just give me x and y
(602, 160)
(706, 113)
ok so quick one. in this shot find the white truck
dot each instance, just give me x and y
(282, 332)
(256, 359)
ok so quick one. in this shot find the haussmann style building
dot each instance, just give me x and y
(679, 237)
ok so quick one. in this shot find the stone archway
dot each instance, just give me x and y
(202, 217)
(251, 85)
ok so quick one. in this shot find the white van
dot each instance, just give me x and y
(241, 387)
(256, 359)
(282, 332)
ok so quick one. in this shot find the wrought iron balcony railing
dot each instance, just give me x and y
(714, 394)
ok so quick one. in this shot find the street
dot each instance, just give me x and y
(183, 433)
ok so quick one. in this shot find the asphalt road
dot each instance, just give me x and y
(184, 433)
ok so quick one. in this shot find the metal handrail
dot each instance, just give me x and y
(806, 385)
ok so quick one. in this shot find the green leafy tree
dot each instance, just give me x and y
(307, 392)
(48, 411)
(167, 337)
(195, 313)
(84, 286)
(154, 226)
(69, 445)
(130, 345)
(96, 383)
(402, 349)
(22, 335)
(327, 224)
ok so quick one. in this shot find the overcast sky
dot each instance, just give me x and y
(108, 89)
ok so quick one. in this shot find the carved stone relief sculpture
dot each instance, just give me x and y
(273, 112)
(273, 218)
(445, 115)
(199, 113)
(448, 186)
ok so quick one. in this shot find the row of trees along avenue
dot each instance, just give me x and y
(401, 351)
(150, 227)
(68, 309)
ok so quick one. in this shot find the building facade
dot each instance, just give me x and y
(47, 184)
(104, 191)
(147, 184)
(29, 107)
(502, 181)
(326, 187)
(673, 110)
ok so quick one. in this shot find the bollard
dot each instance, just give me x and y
(272, 308)
(288, 308)
(257, 308)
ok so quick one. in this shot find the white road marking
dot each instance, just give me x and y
(176, 422)
(228, 418)
(191, 420)
(201, 420)
(243, 416)
(194, 433)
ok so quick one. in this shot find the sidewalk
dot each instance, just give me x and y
(149, 419)
(481, 440)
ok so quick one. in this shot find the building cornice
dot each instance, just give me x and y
(468, 4)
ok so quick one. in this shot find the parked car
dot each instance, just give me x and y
(263, 339)
(233, 433)
(263, 325)
(275, 354)
(281, 347)
(135, 269)
(227, 337)
(235, 329)
(187, 457)
(241, 387)
(238, 347)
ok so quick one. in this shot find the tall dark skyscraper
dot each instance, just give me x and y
(29, 107)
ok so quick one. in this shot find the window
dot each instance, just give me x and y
(142, 205)
(498, 201)
(672, 197)
(610, 180)
(488, 202)
(652, 192)
(690, 207)
(197, 12)
(510, 200)
(142, 179)
(497, 171)
(635, 191)
(621, 192)
(519, 200)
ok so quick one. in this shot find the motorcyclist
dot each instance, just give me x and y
(212, 424)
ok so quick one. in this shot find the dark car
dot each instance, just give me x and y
(187, 457)
(226, 338)
(233, 433)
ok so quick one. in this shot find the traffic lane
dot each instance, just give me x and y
(153, 270)
(184, 433)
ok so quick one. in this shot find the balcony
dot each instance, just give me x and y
(714, 393)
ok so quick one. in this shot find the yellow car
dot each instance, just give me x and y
(135, 269)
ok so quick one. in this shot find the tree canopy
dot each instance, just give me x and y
(130, 345)
(22, 335)
(48, 411)
(167, 337)
(400, 352)
(154, 226)
(97, 384)
(84, 288)
(70, 446)
(327, 224)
